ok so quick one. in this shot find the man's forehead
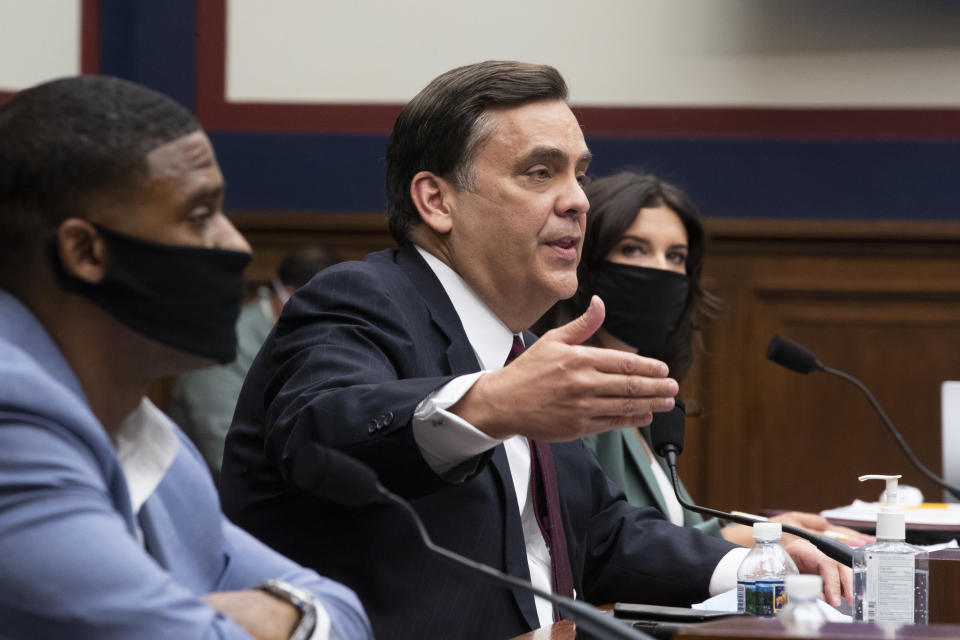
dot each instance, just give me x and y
(190, 152)
(547, 128)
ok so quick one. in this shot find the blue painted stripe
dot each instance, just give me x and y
(729, 178)
(780, 179)
(151, 42)
(302, 172)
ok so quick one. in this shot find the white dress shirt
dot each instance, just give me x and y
(446, 440)
(147, 446)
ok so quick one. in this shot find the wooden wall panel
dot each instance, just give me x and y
(880, 300)
(884, 305)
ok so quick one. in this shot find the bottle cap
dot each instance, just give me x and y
(766, 530)
(891, 521)
(803, 587)
(891, 524)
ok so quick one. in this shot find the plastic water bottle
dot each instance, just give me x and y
(760, 578)
(802, 612)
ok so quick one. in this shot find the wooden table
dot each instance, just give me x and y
(563, 630)
(768, 629)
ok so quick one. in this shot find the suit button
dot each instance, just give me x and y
(373, 426)
(387, 418)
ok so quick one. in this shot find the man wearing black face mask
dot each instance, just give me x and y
(117, 267)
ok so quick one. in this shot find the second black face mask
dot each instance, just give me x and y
(643, 305)
(184, 297)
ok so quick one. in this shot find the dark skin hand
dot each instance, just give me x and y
(262, 615)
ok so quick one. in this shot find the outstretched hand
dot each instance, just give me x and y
(560, 390)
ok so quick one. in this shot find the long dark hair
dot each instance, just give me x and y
(614, 204)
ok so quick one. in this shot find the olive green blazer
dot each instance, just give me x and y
(626, 464)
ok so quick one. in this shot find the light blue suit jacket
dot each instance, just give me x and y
(71, 564)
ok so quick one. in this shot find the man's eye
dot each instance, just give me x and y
(539, 174)
(201, 218)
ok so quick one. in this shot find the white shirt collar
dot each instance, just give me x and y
(146, 447)
(490, 337)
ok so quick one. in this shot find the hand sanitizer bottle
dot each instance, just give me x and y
(760, 586)
(889, 581)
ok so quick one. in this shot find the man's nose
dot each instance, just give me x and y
(573, 201)
(226, 236)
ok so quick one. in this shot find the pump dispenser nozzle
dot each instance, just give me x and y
(891, 521)
(890, 497)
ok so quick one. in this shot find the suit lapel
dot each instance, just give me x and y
(151, 541)
(514, 545)
(462, 359)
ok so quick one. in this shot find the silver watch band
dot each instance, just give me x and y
(299, 598)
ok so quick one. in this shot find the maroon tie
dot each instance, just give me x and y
(546, 506)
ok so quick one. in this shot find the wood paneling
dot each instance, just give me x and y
(880, 300)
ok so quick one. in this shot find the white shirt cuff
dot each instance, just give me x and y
(323, 631)
(724, 575)
(447, 440)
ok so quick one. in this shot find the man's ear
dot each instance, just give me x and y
(431, 196)
(82, 250)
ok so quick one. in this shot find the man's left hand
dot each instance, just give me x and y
(837, 578)
(821, 526)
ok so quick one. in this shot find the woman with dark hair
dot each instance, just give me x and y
(643, 255)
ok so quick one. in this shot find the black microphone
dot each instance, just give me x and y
(798, 358)
(667, 434)
(337, 477)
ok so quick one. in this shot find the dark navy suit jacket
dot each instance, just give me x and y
(353, 354)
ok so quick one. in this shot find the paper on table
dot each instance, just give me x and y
(941, 514)
(727, 601)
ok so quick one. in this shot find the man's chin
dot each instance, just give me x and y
(172, 361)
(565, 286)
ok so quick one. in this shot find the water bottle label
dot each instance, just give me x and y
(761, 598)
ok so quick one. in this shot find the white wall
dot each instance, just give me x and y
(39, 41)
(803, 53)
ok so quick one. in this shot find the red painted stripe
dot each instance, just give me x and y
(90, 36)
(211, 107)
(217, 114)
(744, 122)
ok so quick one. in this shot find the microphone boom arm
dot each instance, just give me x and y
(893, 431)
(584, 616)
(831, 548)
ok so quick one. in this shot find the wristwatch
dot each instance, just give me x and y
(299, 598)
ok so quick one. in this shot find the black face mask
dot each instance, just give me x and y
(184, 297)
(643, 305)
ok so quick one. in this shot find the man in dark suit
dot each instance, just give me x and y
(399, 361)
